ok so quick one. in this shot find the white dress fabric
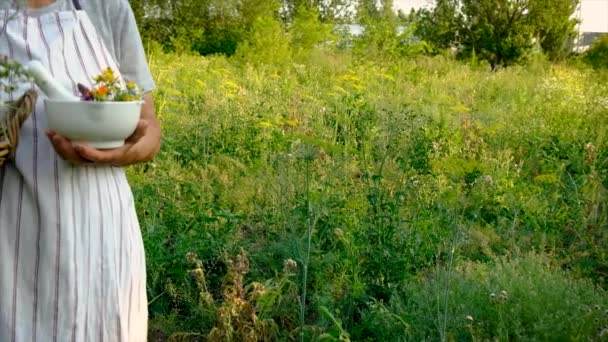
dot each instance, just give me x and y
(72, 265)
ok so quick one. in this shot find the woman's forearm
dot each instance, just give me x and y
(148, 146)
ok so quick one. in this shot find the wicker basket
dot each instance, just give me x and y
(12, 120)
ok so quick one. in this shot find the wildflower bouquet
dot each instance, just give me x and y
(109, 87)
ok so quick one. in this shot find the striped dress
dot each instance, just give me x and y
(72, 265)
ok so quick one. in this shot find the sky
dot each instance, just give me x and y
(594, 13)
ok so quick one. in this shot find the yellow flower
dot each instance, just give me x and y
(266, 124)
(341, 90)
(291, 123)
(231, 84)
(358, 86)
(106, 76)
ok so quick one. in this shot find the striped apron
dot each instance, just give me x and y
(72, 265)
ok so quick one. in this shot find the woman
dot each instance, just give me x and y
(72, 261)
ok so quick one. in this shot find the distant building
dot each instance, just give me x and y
(353, 30)
(593, 18)
(586, 39)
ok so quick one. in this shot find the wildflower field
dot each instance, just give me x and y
(335, 199)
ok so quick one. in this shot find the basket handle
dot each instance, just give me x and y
(12, 122)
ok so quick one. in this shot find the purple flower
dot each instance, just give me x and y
(85, 93)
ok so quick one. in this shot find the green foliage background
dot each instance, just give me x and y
(426, 184)
(312, 187)
(501, 32)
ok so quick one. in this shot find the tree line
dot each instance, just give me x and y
(502, 32)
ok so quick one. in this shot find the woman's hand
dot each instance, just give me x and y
(140, 147)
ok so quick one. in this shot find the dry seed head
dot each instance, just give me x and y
(257, 291)
(242, 263)
(289, 266)
(436, 145)
(198, 275)
(487, 179)
(339, 233)
(191, 257)
(493, 298)
(415, 181)
(590, 152)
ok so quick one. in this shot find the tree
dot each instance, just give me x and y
(496, 30)
(266, 43)
(554, 25)
(499, 31)
(250, 10)
(335, 10)
(440, 25)
(218, 26)
(290, 8)
(381, 35)
(307, 30)
(204, 26)
(327, 10)
(368, 12)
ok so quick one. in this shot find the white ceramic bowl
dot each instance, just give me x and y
(103, 125)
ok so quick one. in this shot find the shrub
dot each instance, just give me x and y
(597, 55)
(266, 43)
(524, 298)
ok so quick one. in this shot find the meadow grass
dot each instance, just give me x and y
(376, 200)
